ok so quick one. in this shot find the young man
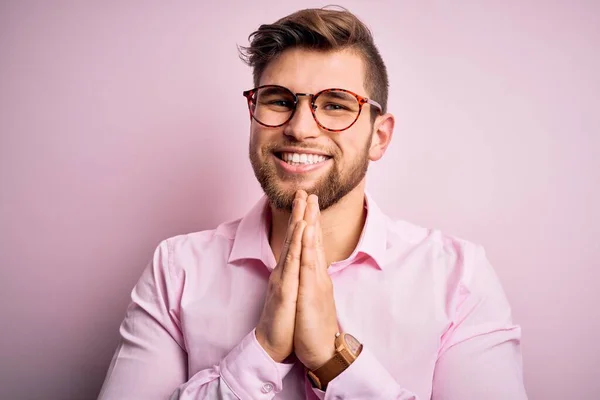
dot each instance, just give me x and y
(315, 293)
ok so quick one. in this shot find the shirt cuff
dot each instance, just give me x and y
(250, 372)
(365, 378)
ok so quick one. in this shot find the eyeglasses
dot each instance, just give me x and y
(334, 110)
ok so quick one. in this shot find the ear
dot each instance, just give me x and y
(383, 130)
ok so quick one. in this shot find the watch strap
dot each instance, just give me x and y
(331, 369)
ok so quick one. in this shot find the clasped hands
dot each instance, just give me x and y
(299, 314)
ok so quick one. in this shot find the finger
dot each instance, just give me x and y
(301, 193)
(298, 209)
(318, 231)
(315, 219)
(291, 263)
(319, 242)
(309, 259)
(312, 209)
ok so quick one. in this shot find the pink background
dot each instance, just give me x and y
(123, 124)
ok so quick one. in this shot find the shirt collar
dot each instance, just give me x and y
(373, 241)
(251, 239)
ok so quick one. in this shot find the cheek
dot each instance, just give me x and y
(255, 138)
(262, 139)
(252, 145)
(352, 143)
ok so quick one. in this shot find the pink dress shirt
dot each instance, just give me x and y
(428, 308)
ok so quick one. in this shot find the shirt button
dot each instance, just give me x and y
(267, 388)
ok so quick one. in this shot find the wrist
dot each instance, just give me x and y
(275, 355)
(321, 359)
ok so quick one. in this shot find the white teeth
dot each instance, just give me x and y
(297, 158)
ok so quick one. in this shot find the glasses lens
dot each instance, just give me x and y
(272, 105)
(336, 109)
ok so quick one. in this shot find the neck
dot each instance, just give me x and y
(342, 225)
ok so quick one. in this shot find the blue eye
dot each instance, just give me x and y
(334, 107)
(281, 103)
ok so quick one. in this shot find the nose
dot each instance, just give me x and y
(302, 126)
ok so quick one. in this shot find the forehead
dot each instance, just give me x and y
(309, 71)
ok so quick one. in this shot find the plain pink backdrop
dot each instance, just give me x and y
(123, 123)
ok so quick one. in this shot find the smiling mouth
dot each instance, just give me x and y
(301, 158)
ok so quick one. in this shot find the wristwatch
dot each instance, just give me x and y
(347, 349)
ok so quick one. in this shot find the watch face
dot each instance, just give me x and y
(352, 344)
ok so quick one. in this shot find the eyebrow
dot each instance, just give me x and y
(271, 91)
(339, 95)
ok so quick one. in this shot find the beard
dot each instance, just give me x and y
(330, 188)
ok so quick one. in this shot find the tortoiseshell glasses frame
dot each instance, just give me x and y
(251, 96)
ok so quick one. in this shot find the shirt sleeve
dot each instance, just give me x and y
(479, 356)
(365, 378)
(150, 361)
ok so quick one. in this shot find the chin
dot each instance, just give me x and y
(290, 188)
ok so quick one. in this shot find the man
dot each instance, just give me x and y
(315, 293)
